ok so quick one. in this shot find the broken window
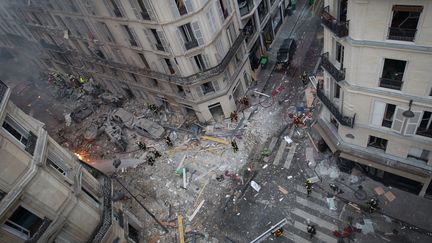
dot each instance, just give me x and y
(14, 129)
(392, 74)
(388, 115)
(419, 154)
(404, 22)
(425, 127)
(23, 223)
(376, 142)
(207, 87)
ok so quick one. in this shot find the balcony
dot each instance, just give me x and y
(245, 6)
(206, 74)
(337, 74)
(343, 120)
(340, 29)
(191, 44)
(401, 34)
(391, 83)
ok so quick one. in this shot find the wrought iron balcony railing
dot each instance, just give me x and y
(197, 77)
(245, 6)
(106, 219)
(338, 27)
(391, 83)
(401, 34)
(337, 74)
(343, 120)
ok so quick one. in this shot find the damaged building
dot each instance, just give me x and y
(187, 56)
(377, 90)
(47, 195)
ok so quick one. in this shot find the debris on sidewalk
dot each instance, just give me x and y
(283, 190)
(390, 196)
(379, 190)
(255, 186)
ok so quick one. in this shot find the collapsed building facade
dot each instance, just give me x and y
(377, 90)
(46, 194)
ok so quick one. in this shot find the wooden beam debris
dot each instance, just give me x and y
(217, 140)
(180, 228)
(196, 210)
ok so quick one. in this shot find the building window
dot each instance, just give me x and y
(199, 61)
(159, 44)
(336, 91)
(23, 222)
(339, 53)
(425, 127)
(223, 9)
(115, 8)
(144, 13)
(170, 66)
(262, 10)
(207, 87)
(392, 74)
(419, 154)
(181, 7)
(144, 60)
(14, 129)
(388, 115)
(88, 193)
(404, 22)
(130, 35)
(133, 233)
(334, 122)
(102, 27)
(56, 163)
(376, 142)
(188, 36)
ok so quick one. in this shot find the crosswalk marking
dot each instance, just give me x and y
(280, 152)
(272, 143)
(290, 155)
(319, 234)
(316, 207)
(314, 219)
(296, 238)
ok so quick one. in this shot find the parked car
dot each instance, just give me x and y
(147, 127)
(124, 117)
(285, 53)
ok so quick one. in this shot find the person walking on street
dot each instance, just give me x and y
(234, 145)
(311, 230)
(308, 186)
(373, 205)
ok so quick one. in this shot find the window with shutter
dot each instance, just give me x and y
(378, 113)
(136, 9)
(199, 91)
(220, 12)
(198, 35)
(149, 8)
(206, 61)
(162, 40)
(149, 36)
(398, 120)
(189, 7)
(412, 123)
(180, 38)
(174, 9)
(216, 85)
(211, 21)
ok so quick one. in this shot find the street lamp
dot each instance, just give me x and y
(408, 113)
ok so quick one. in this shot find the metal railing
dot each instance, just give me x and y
(391, 83)
(343, 120)
(197, 77)
(337, 74)
(401, 34)
(107, 214)
(340, 28)
(424, 132)
(245, 6)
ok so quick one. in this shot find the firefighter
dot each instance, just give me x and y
(142, 145)
(278, 233)
(308, 185)
(234, 146)
(234, 116)
(373, 205)
(168, 141)
(304, 78)
(311, 230)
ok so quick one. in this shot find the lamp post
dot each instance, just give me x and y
(408, 113)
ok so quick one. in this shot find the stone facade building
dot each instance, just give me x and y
(377, 88)
(46, 194)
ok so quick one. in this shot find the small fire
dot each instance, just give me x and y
(79, 156)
